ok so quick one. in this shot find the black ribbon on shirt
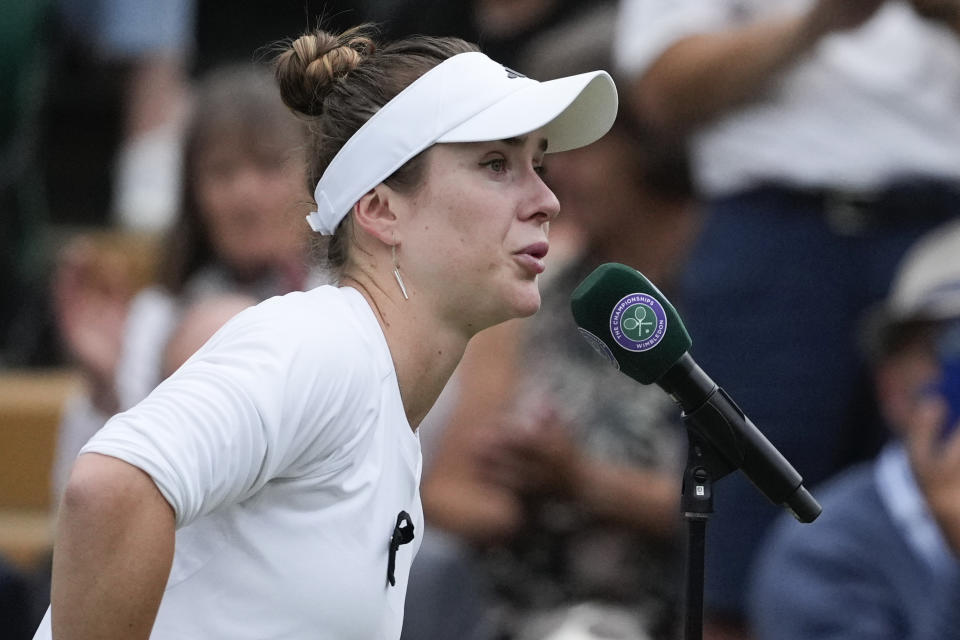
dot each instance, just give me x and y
(402, 534)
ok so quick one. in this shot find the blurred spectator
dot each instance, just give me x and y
(824, 139)
(240, 230)
(82, 77)
(881, 562)
(125, 70)
(156, 40)
(96, 93)
(561, 473)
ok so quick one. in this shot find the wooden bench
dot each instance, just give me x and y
(31, 402)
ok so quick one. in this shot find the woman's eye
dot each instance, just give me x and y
(540, 170)
(497, 165)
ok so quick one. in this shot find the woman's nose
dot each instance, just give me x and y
(543, 201)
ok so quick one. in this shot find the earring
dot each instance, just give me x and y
(396, 272)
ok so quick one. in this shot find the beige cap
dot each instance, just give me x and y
(927, 284)
(926, 288)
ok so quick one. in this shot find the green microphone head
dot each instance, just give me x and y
(629, 321)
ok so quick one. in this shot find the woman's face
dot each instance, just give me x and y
(475, 232)
(252, 206)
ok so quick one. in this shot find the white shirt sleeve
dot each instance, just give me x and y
(268, 396)
(647, 28)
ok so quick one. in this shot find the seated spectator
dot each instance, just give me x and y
(881, 562)
(239, 231)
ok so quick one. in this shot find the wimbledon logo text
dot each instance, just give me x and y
(638, 322)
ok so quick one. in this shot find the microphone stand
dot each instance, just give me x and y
(721, 439)
(704, 466)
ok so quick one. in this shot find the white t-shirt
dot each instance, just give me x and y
(283, 448)
(863, 108)
(153, 316)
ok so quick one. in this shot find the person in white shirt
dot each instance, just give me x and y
(824, 139)
(238, 231)
(269, 487)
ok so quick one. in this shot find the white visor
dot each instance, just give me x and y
(466, 98)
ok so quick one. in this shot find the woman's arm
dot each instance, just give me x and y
(112, 553)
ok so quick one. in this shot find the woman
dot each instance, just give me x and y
(284, 454)
(239, 232)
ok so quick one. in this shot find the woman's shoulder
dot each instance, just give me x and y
(323, 308)
(325, 321)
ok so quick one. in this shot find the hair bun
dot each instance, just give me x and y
(313, 63)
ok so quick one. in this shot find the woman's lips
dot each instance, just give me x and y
(531, 257)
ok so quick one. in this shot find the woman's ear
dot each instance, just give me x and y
(375, 213)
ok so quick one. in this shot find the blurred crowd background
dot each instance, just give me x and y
(787, 172)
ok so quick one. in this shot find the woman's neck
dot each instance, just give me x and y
(425, 352)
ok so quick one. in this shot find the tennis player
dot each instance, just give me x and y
(270, 487)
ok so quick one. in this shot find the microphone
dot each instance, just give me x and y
(402, 534)
(626, 318)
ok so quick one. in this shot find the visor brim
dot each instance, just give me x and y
(573, 111)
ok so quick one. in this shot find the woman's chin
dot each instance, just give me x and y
(527, 302)
(520, 302)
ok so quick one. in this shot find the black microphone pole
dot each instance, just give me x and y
(720, 440)
(704, 465)
(696, 503)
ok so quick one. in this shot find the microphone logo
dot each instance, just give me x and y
(638, 322)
